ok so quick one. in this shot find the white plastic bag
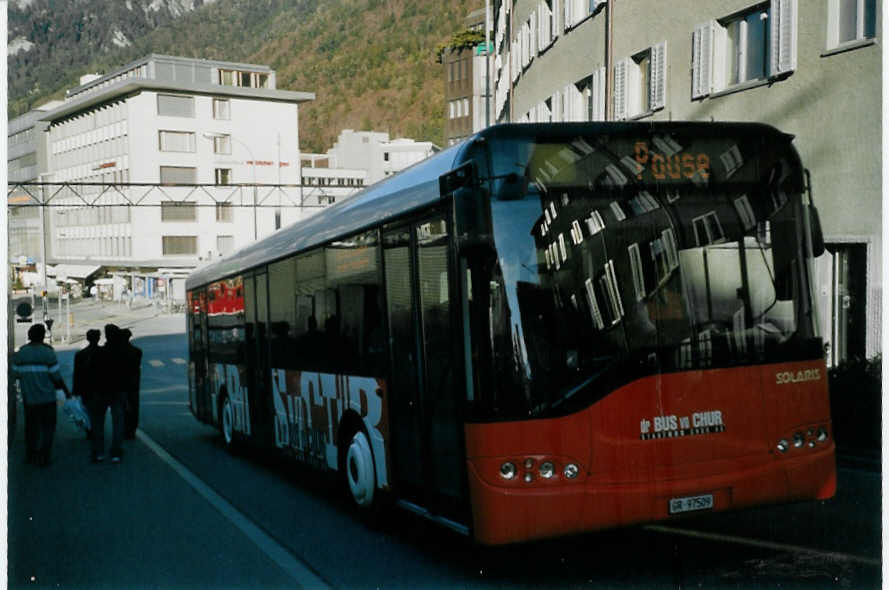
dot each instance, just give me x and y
(74, 409)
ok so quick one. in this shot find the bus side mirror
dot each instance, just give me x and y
(460, 177)
(817, 235)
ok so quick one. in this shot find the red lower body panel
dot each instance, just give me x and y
(506, 514)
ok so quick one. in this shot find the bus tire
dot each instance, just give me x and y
(360, 472)
(227, 423)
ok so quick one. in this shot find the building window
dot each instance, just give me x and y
(178, 245)
(171, 105)
(850, 21)
(756, 44)
(224, 212)
(176, 141)
(179, 211)
(223, 176)
(640, 83)
(243, 79)
(746, 47)
(225, 245)
(222, 144)
(221, 109)
(546, 24)
(577, 10)
(178, 175)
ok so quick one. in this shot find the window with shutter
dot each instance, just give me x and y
(756, 44)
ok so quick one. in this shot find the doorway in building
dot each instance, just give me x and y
(842, 300)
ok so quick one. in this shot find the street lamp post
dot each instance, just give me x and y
(212, 136)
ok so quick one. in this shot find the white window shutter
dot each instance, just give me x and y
(538, 26)
(658, 97)
(702, 59)
(556, 102)
(566, 14)
(597, 90)
(532, 31)
(574, 104)
(784, 36)
(555, 22)
(620, 90)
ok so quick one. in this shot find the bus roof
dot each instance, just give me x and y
(418, 186)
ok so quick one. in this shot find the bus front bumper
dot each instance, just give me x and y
(507, 514)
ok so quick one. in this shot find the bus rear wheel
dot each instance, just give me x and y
(359, 467)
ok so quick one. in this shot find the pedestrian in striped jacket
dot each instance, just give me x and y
(37, 369)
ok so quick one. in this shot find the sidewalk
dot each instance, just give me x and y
(136, 524)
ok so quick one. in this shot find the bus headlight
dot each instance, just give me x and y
(571, 471)
(822, 434)
(547, 470)
(783, 445)
(507, 470)
(798, 439)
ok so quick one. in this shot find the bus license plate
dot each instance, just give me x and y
(691, 503)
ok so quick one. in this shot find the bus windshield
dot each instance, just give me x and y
(617, 257)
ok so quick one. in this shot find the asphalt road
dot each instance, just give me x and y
(303, 521)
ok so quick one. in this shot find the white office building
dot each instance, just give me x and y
(166, 121)
(356, 160)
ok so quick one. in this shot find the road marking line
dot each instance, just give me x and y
(298, 570)
(178, 361)
(156, 363)
(761, 544)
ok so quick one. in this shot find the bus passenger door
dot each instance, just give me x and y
(256, 301)
(404, 394)
(428, 452)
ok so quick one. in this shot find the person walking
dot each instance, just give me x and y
(111, 393)
(37, 369)
(134, 379)
(86, 381)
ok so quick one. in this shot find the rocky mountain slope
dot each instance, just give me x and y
(371, 63)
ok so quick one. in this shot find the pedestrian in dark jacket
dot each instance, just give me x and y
(111, 393)
(86, 380)
(37, 369)
(134, 374)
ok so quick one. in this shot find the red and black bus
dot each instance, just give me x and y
(546, 329)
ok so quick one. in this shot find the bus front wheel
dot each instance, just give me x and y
(360, 470)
